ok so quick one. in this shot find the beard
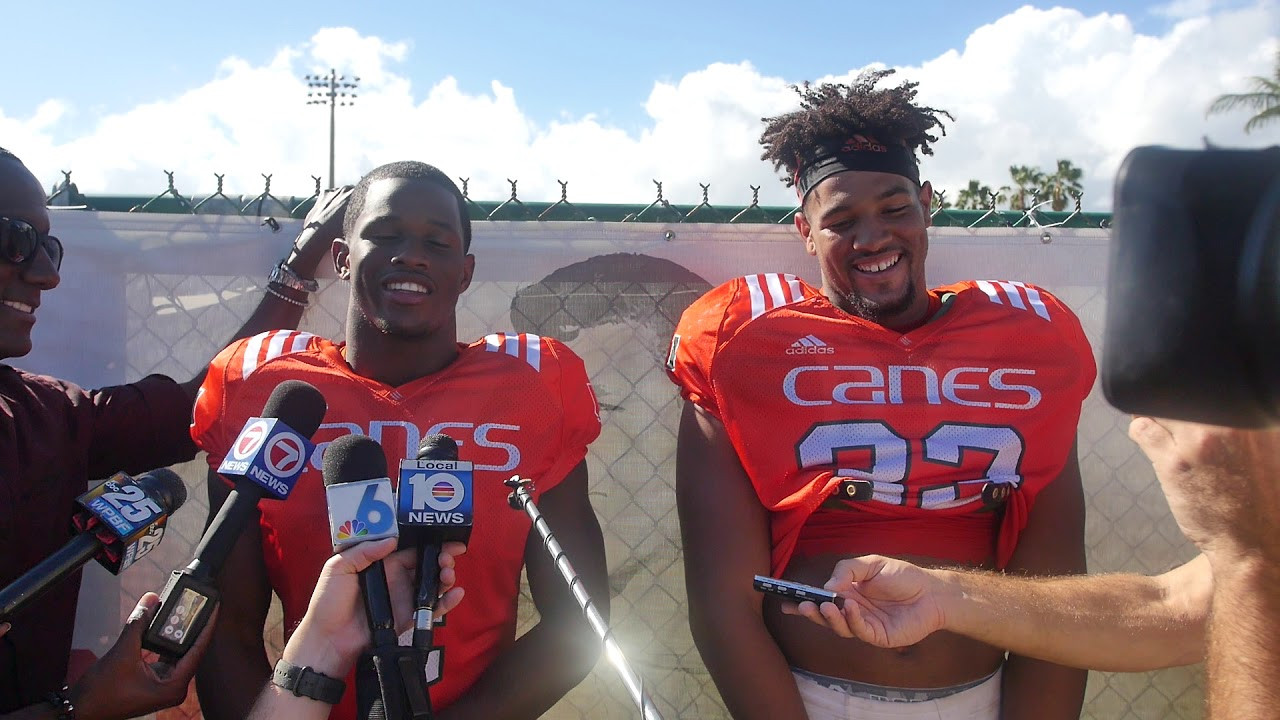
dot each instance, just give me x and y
(876, 311)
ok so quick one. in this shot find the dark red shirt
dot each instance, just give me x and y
(54, 438)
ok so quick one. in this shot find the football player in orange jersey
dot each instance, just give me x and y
(516, 404)
(1221, 486)
(872, 414)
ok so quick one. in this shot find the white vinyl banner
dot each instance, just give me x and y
(147, 293)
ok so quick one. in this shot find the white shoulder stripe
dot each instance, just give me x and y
(772, 290)
(1015, 297)
(1013, 292)
(251, 350)
(276, 341)
(757, 296)
(510, 345)
(1033, 297)
(990, 290)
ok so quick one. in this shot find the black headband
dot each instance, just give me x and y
(859, 152)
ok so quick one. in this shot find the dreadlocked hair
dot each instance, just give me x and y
(829, 113)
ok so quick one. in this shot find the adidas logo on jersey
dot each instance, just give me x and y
(810, 345)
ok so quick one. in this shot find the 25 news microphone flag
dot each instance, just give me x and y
(117, 523)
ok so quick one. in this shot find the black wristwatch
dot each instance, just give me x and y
(305, 682)
(285, 275)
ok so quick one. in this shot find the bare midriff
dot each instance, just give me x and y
(941, 660)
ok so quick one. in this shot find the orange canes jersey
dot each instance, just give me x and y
(515, 404)
(987, 394)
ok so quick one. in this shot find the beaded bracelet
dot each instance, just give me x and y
(61, 701)
(272, 291)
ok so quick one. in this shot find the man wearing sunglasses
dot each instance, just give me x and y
(55, 436)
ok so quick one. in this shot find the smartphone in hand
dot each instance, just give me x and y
(793, 591)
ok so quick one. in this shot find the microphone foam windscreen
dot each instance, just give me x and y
(165, 487)
(353, 457)
(299, 404)
(438, 447)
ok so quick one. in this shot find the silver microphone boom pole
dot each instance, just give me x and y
(520, 499)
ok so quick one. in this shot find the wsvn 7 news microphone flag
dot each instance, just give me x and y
(266, 459)
(117, 522)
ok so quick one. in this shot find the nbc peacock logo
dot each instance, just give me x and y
(351, 529)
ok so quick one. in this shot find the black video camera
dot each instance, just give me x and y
(1193, 304)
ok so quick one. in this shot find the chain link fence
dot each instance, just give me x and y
(613, 292)
(660, 210)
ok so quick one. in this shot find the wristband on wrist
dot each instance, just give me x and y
(286, 276)
(305, 682)
(61, 702)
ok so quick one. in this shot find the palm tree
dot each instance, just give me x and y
(973, 197)
(1063, 184)
(1264, 98)
(1028, 181)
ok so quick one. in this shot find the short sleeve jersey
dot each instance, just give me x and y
(954, 426)
(516, 404)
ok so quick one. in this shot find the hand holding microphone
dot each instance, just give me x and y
(390, 681)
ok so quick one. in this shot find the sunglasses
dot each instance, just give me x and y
(19, 241)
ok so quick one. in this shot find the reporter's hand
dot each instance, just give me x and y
(129, 681)
(887, 603)
(1223, 484)
(334, 630)
(322, 224)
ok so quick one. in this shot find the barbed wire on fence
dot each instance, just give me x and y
(513, 208)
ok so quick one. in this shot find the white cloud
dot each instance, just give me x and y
(1029, 88)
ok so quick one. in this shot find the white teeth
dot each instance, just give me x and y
(20, 307)
(880, 266)
(407, 286)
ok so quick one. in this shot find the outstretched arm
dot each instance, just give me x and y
(1112, 622)
(1223, 486)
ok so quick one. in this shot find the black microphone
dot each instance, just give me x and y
(389, 679)
(116, 523)
(434, 506)
(267, 457)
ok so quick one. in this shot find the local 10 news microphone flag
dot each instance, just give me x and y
(266, 460)
(434, 505)
(390, 682)
(117, 523)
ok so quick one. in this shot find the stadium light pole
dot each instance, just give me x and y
(332, 90)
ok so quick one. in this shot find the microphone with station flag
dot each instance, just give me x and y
(389, 680)
(116, 523)
(266, 459)
(433, 505)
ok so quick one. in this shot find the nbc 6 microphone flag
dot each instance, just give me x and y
(434, 492)
(269, 453)
(361, 510)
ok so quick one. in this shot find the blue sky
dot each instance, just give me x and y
(91, 70)
(575, 57)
